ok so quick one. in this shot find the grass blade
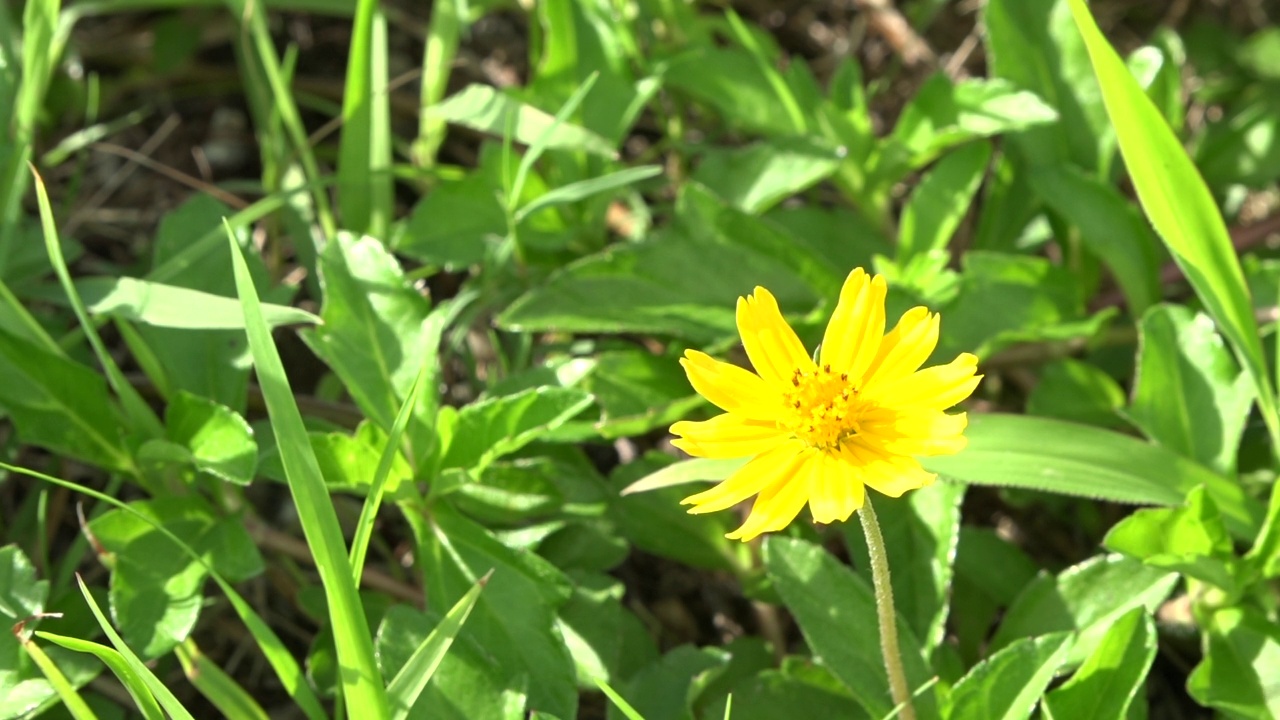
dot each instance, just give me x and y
(539, 146)
(412, 679)
(364, 151)
(217, 686)
(1180, 206)
(153, 684)
(576, 191)
(142, 697)
(281, 660)
(437, 59)
(361, 682)
(66, 693)
(621, 702)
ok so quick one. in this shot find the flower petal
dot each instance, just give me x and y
(730, 387)
(936, 388)
(772, 468)
(930, 432)
(853, 335)
(886, 473)
(906, 347)
(775, 351)
(777, 505)
(727, 436)
(835, 491)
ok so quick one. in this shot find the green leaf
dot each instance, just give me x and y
(375, 333)
(487, 109)
(941, 200)
(1032, 44)
(733, 83)
(219, 688)
(1105, 685)
(758, 176)
(773, 694)
(468, 683)
(362, 688)
(656, 522)
(219, 440)
(1241, 148)
(1181, 208)
(1076, 391)
(454, 224)
(1109, 227)
(637, 391)
(665, 689)
(990, 572)
(22, 596)
(1190, 395)
(413, 676)
(489, 429)
(365, 191)
(836, 612)
(686, 471)
(1191, 540)
(1086, 598)
(171, 306)
(575, 191)
(132, 682)
(1007, 685)
(156, 590)
(1010, 451)
(920, 535)
(57, 403)
(606, 639)
(1238, 673)
(514, 618)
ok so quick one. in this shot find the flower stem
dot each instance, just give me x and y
(885, 610)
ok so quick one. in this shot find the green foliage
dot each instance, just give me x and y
(407, 405)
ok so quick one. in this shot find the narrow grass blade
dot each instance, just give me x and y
(621, 702)
(364, 151)
(153, 684)
(437, 59)
(281, 660)
(539, 146)
(142, 417)
(369, 513)
(217, 686)
(788, 99)
(1180, 206)
(412, 679)
(66, 693)
(142, 697)
(361, 683)
(576, 191)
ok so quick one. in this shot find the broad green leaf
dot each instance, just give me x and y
(730, 81)
(1106, 684)
(920, 535)
(347, 460)
(468, 683)
(606, 638)
(665, 688)
(1010, 451)
(1190, 395)
(171, 306)
(217, 439)
(941, 200)
(485, 431)
(657, 523)
(1191, 540)
(375, 333)
(686, 471)
(1109, 227)
(1032, 44)
(454, 225)
(22, 688)
(1005, 298)
(758, 176)
(156, 590)
(990, 572)
(1086, 598)
(836, 612)
(514, 618)
(773, 694)
(487, 109)
(57, 403)
(132, 682)
(1076, 391)
(408, 684)
(637, 391)
(1007, 685)
(1184, 213)
(362, 687)
(1238, 673)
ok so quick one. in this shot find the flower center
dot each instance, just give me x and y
(820, 407)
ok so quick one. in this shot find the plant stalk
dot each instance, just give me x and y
(885, 611)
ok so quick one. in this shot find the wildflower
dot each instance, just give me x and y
(820, 432)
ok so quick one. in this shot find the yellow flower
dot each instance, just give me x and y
(821, 432)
